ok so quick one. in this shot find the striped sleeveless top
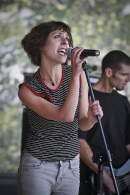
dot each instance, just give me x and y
(51, 140)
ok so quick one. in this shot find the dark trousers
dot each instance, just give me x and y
(86, 188)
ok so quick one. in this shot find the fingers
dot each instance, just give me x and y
(76, 52)
(75, 58)
(96, 108)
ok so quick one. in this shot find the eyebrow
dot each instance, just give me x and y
(61, 33)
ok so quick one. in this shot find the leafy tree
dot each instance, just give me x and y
(96, 24)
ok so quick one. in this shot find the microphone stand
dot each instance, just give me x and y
(100, 167)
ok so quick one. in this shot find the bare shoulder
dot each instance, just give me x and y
(25, 92)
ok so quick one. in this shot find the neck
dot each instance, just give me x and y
(51, 76)
(103, 86)
(50, 81)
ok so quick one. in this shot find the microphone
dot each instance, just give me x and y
(85, 52)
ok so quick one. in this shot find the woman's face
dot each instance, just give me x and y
(55, 47)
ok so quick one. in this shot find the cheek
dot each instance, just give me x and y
(118, 78)
(115, 82)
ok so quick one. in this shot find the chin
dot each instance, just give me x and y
(120, 89)
(65, 62)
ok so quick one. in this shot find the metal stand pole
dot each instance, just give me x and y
(100, 177)
(85, 68)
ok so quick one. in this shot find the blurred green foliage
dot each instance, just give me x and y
(96, 24)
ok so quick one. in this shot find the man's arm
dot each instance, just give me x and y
(86, 156)
(128, 148)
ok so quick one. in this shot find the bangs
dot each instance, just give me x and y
(52, 26)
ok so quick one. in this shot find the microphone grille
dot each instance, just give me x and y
(68, 51)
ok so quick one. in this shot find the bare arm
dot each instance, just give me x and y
(86, 155)
(48, 110)
(88, 109)
(128, 148)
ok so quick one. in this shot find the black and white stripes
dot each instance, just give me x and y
(51, 140)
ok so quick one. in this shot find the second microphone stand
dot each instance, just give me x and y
(100, 163)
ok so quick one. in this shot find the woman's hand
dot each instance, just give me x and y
(94, 110)
(76, 61)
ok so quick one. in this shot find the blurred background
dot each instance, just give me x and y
(96, 24)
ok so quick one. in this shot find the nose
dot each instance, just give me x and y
(64, 40)
(128, 78)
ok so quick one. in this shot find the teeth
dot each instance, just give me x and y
(61, 51)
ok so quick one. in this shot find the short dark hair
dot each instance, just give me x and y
(37, 37)
(114, 59)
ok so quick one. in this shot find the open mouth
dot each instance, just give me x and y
(62, 52)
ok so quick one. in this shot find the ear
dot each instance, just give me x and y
(108, 72)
